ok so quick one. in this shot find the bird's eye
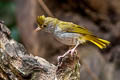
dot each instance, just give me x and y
(45, 26)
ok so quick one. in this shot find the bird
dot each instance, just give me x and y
(69, 33)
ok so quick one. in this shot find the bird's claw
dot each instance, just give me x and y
(59, 58)
(72, 52)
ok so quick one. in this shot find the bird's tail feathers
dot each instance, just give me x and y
(97, 41)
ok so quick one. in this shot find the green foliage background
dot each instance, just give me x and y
(7, 14)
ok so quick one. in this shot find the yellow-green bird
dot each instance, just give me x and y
(69, 33)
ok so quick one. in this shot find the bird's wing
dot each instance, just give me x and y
(73, 28)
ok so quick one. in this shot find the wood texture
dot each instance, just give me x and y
(17, 64)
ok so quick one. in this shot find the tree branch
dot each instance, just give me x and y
(17, 64)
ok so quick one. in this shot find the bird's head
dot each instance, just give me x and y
(40, 22)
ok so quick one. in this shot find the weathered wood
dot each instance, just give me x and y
(68, 67)
(17, 64)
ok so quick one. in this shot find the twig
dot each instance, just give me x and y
(43, 5)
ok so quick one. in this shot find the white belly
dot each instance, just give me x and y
(66, 37)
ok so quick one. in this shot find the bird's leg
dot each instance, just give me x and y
(69, 51)
(73, 50)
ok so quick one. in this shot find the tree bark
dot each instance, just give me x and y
(17, 64)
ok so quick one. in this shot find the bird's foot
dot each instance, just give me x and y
(71, 53)
(59, 58)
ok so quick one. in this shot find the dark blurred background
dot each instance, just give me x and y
(102, 17)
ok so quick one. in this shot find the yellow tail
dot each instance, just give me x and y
(97, 41)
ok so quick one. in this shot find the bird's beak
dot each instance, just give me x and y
(37, 29)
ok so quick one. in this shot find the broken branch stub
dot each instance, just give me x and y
(68, 67)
